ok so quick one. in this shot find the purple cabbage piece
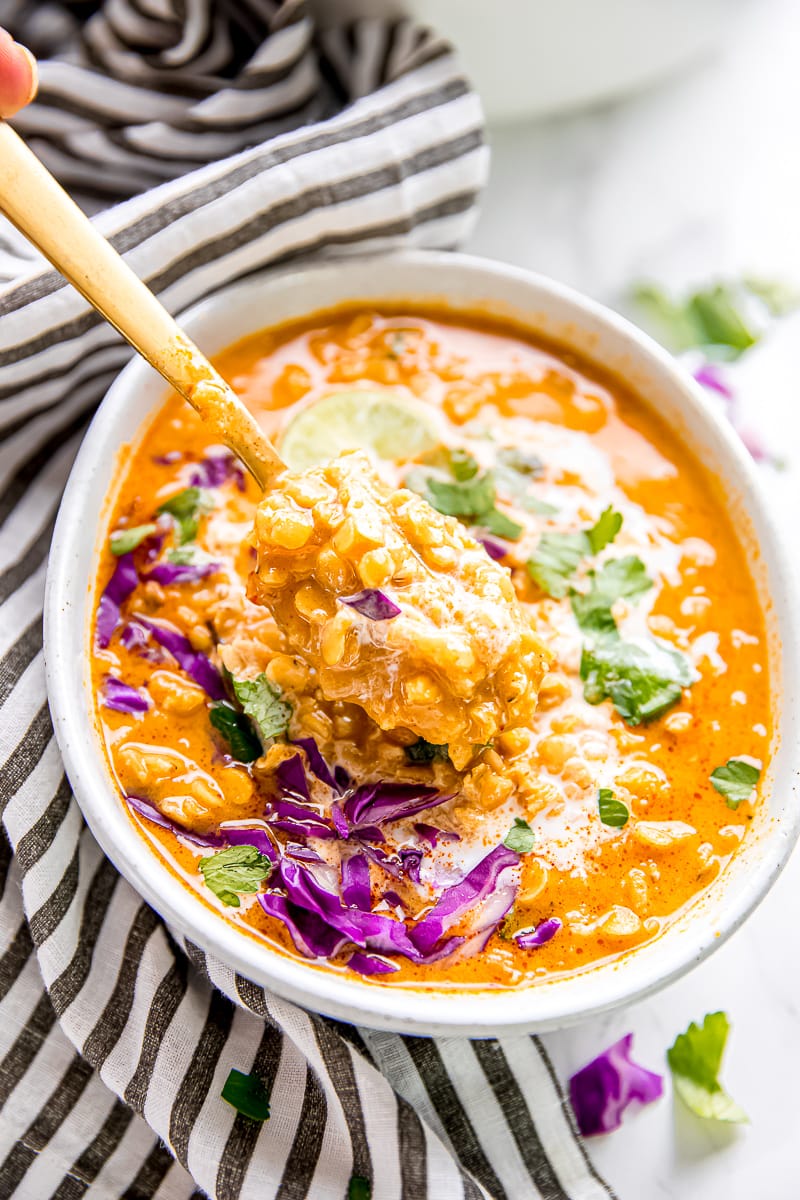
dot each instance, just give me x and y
(368, 930)
(218, 466)
(166, 460)
(339, 821)
(123, 698)
(374, 803)
(297, 829)
(123, 581)
(601, 1091)
(303, 853)
(292, 777)
(369, 964)
(462, 897)
(711, 377)
(316, 762)
(530, 939)
(411, 859)
(342, 779)
(431, 835)
(296, 819)
(168, 573)
(311, 933)
(253, 835)
(495, 550)
(145, 809)
(134, 636)
(393, 899)
(196, 665)
(373, 604)
(356, 891)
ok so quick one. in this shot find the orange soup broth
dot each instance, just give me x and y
(473, 366)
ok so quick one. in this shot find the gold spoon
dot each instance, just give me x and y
(43, 212)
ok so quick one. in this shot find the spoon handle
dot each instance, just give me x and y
(40, 208)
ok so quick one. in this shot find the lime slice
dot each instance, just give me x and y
(390, 424)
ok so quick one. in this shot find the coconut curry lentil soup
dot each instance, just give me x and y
(227, 661)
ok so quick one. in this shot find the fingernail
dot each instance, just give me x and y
(34, 72)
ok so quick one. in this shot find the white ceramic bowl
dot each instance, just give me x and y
(565, 316)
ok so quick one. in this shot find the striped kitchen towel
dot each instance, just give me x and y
(232, 136)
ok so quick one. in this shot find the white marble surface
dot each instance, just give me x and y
(696, 179)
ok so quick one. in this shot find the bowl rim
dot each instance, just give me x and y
(552, 1004)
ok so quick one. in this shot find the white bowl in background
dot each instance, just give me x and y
(536, 58)
(600, 335)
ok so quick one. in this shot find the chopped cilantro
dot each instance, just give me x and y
(695, 1058)
(520, 837)
(122, 541)
(716, 316)
(642, 678)
(425, 752)
(604, 530)
(359, 1188)
(556, 560)
(239, 869)
(187, 507)
(513, 471)
(558, 555)
(263, 703)
(247, 1094)
(612, 811)
(736, 780)
(235, 727)
(469, 495)
(523, 462)
(620, 578)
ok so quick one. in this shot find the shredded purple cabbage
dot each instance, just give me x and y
(317, 763)
(375, 803)
(711, 377)
(166, 460)
(530, 939)
(145, 809)
(218, 466)
(250, 835)
(411, 859)
(393, 899)
(293, 818)
(123, 581)
(196, 665)
(369, 964)
(462, 897)
(168, 573)
(430, 834)
(495, 550)
(311, 933)
(339, 821)
(356, 890)
(292, 777)
(373, 604)
(602, 1090)
(123, 698)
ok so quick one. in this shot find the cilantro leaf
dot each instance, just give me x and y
(643, 678)
(122, 541)
(425, 752)
(604, 530)
(500, 525)
(187, 507)
(522, 462)
(612, 811)
(710, 317)
(558, 555)
(469, 496)
(239, 869)
(520, 837)
(735, 781)
(619, 578)
(247, 1094)
(263, 703)
(359, 1188)
(513, 471)
(555, 561)
(694, 1059)
(235, 727)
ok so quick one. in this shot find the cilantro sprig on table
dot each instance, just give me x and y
(695, 1058)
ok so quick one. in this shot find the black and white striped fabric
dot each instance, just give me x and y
(114, 1040)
